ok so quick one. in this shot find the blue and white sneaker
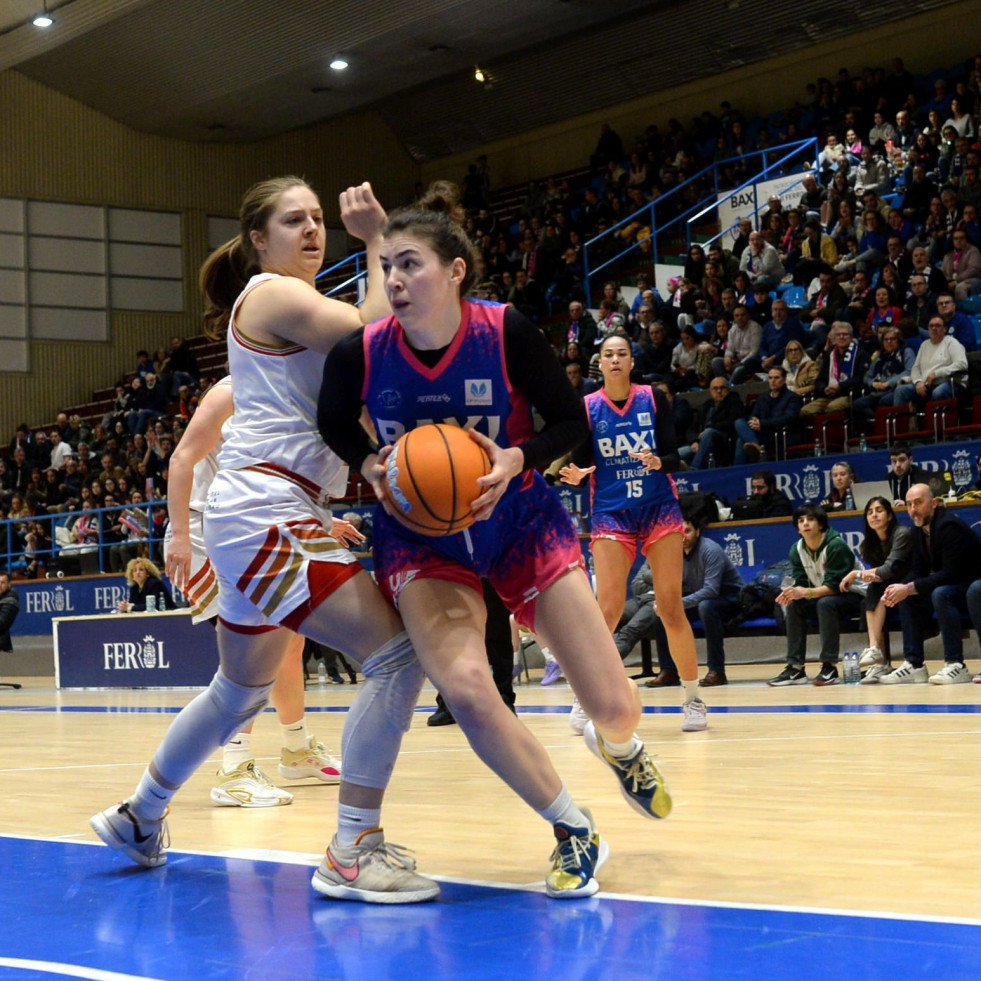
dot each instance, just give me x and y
(641, 782)
(578, 855)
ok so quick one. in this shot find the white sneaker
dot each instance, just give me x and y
(372, 871)
(874, 673)
(145, 843)
(577, 718)
(247, 786)
(905, 674)
(695, 714)
(953, 673)
(870, 656)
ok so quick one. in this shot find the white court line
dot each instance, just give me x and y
(70, 970)
(296, 858)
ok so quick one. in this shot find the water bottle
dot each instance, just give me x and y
(818, 448)
(710, 463)
(849, 500)
(151, 604)
(863, 444)
(321, 674)
(949, 482)
(852, 672)
(762, 454)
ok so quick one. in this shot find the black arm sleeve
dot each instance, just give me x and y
(667, 440)
(535, 371)
(339, 404)
(532, 367)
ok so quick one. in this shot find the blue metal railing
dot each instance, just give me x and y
(648, 215)
(360, 270)
(773, 160)
(794, 150)
(52, 556)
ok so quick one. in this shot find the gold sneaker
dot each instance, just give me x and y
(247, 786)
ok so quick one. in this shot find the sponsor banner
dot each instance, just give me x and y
(809, 478)
(733, 207)
(43, 599)
(134, 650)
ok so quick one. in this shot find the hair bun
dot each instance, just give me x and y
(444, 197)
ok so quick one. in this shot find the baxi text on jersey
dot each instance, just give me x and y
(131, 656)
(624, 443)
(391, 430)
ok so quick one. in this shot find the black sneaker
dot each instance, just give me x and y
(789, 676)
(441, 717)
(828, 675)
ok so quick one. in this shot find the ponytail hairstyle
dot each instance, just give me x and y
(228, 269)
(437, 218)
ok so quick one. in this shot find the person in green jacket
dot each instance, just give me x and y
(819, 560)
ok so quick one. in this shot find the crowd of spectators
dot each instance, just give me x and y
(87, 488)
(877, 129)
(859, 296)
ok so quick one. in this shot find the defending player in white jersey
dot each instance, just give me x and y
(239, 781)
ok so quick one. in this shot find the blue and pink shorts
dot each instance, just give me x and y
(644, 524)
(525, 546)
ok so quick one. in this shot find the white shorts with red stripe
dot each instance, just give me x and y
(202, 585)
(267, 537)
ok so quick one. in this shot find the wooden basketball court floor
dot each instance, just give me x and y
(817, 833)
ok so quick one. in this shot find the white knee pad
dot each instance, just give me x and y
(237, 704)
(206, 723)
(381, 713)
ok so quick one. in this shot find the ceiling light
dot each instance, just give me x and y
(43, 19)
(479, 75)
(339, 63)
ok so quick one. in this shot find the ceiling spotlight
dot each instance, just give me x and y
(43, 19)
(339, 63)
(478, 74)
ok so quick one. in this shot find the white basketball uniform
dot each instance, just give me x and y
(202, 585)
(266, 515)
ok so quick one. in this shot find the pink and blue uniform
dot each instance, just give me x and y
(529, 540)
(627, 503)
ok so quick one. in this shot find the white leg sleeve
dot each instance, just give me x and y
(206, 723)
(381, 714)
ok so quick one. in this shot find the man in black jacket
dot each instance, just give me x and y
(717, 426)
(942, 581)
(9, 608)
(776, 504)
(904, 473)
(777, 413)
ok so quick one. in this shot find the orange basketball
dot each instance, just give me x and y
(431, 479)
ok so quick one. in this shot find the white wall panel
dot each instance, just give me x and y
(68, 220)
(67, 290)
(52, 324)
(157, 227)
(166, 295)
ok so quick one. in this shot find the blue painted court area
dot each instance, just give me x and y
(77, 910)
